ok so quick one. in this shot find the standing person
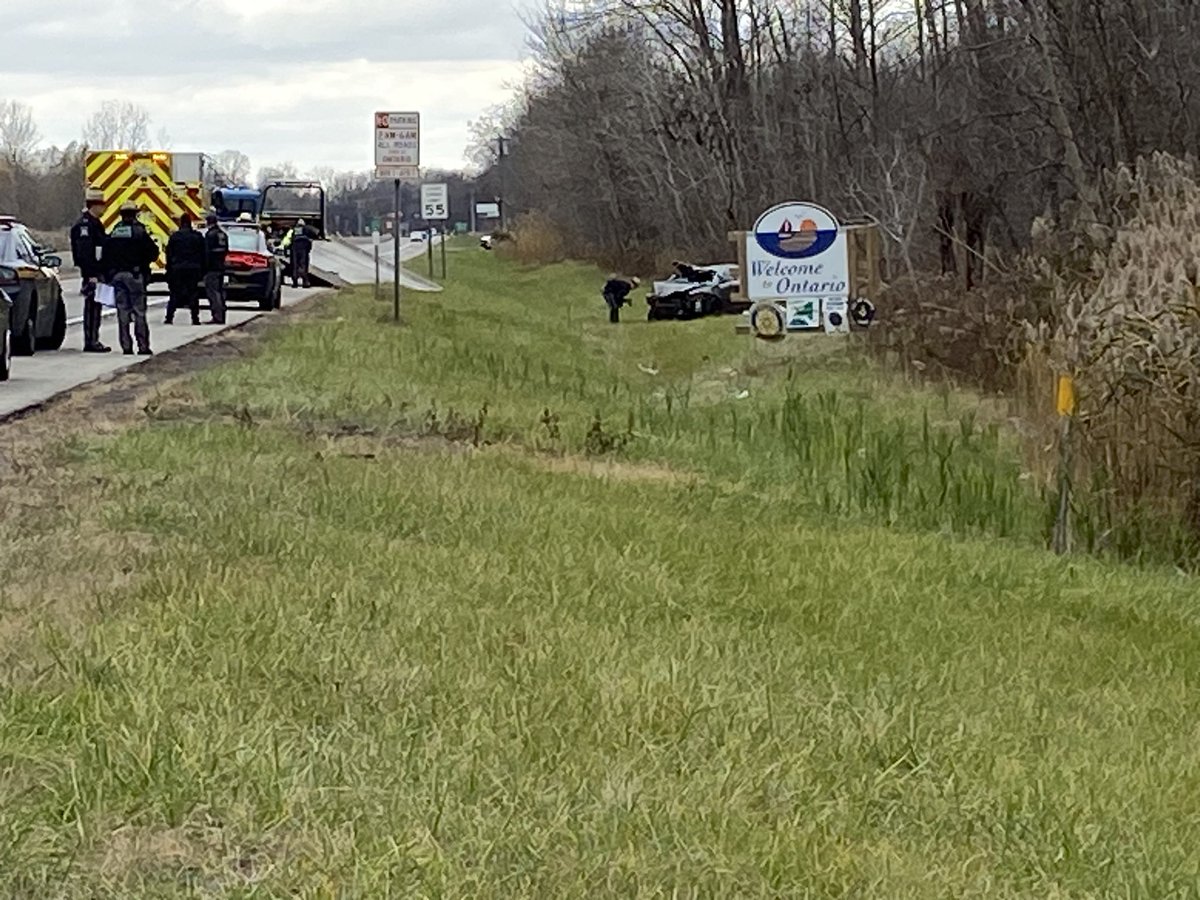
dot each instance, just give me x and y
(87, 241)
(186, 251)
(216, 244)
(616, 294)
(128, 252)
(301, 251)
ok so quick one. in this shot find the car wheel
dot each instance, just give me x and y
(58, 333)
(25, 342)
(266, 302)
(5, 355)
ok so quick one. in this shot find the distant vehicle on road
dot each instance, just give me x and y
(5, 342)
(252, 271)
(417, 236)
(38, 318)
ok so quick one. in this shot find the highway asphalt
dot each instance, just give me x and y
(38, 378)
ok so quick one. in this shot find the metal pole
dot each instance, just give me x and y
(429, 248)
(443, 254)
(396, 257)
(375, 241)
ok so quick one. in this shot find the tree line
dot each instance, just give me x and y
(43, 186)
(654, 126)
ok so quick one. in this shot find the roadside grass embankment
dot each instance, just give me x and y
(476, 607)
(535, 362)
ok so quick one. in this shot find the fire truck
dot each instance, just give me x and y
(163, 185)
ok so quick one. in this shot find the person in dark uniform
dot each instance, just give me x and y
(216, 245)
(186, 252)
(301, 252)
(128, 253)
(87, 240)
(692, 273)
(616, 294)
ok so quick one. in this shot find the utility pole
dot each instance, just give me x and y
(501, 140)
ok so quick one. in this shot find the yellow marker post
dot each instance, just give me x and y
(1066, 395)
(1065, 403)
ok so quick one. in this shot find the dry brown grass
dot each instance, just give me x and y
(608, 469)
(1128, 330)
(1113, 305)
(535, 240)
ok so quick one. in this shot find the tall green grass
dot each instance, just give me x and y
(630, 635)
(535, 363)
(431, 674)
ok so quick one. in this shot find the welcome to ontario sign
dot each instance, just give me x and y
(797, 251)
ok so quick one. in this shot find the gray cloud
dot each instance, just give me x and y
(280, 80)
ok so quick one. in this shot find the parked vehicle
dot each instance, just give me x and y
(252, 270)
(5, 343)
(164, 185)
(283, 203)
(38, 318)
(231, 202)
(694, 291)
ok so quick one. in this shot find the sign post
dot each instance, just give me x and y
(396, 257)
(429, 250)
(1065, 403)
(435, 207)
(397, 156)
(375, 243)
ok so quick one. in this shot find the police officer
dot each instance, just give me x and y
(301, 251)
(128, 252)
(216, 245)
(616, 294)
(186, 251)
(87, 240)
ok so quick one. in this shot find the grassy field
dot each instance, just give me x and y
(509, 602)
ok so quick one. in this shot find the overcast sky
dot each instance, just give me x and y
(279, 80)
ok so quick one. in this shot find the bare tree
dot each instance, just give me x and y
(325, 175)
(19, 134)
(234, 166)
(118, 125)
(276, 171)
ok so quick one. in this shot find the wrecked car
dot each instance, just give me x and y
(693, 291)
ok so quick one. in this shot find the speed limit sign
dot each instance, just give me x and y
(435, 202)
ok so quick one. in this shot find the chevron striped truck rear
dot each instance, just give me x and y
(163, 185)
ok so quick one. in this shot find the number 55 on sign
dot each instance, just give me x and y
(435, 202)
